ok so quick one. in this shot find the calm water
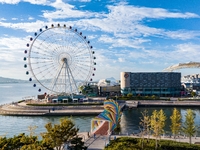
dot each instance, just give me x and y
(10, 125)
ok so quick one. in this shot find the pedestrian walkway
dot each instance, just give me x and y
(97, 142)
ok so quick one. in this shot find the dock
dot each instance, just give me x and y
(161, 103)
(132, 104)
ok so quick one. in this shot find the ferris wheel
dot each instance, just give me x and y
(60, 59)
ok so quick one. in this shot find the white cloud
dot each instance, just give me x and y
(42, 2)
(85, 0)
(121, 42)
(122, 21)
(121, 59)
(14, 18)
(139, 13)
(30, 18)
(9, 1)
(2, 19)
(182, 34)
(126, 21)
(28, 27)
(65, 10)
(38, 2)
(12, 43)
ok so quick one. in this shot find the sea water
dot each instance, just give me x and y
(14, 125)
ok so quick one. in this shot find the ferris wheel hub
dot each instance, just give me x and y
(64, 60)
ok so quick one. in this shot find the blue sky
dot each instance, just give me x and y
(127, 35)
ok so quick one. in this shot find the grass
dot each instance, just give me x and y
(129, 143)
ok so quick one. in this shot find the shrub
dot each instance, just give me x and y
(129, 143)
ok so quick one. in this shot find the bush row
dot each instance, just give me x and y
(129, 143)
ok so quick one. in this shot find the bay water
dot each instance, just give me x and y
(14, 125)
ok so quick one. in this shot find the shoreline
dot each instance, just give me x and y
(21, 109)
(161, 103)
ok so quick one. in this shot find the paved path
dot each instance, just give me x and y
(99, 142)
(22, 109)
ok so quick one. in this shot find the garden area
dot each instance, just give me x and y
(129, 143)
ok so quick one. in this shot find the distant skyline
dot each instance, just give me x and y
(126, 35)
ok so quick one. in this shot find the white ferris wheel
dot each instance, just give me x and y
(60, 59)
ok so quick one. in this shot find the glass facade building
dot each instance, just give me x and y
(151, 83)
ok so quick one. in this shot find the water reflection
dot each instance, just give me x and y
(131, 118)
(12, 125)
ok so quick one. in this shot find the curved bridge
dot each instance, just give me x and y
(183, 65)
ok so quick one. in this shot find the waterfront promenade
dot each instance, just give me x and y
(21, 109)
(100, 141)
(162, 103)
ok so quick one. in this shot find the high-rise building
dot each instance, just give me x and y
(151, 83)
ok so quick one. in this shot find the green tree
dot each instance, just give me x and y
(175, 122)
(32, 129)
(11, 143)
(193, 93)
(22, 142)
(59, 134)
(129, 95)
(153, 97)
(161, 120)
(189, 127)
(158, 119)
(145, 123)
(77, 143)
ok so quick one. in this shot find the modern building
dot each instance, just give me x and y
(109, 87)
(151, 83)
(191, 83)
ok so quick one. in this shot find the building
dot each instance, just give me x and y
(109, 87)
(151, 83)
(191, 83)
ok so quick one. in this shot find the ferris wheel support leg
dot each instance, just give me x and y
(68, 72)
(56, 79)
(73, 80)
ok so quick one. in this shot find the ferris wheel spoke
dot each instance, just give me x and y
(44, 58)
(43, 73)
(40, 62)
(46, 67)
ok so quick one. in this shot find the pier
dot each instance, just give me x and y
(161, 103)
(132, 104)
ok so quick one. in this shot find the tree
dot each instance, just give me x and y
(175, 122)
(22, 142)
(129, 95)
(162, 119)
(193, 93)
(157, 123)
(32, 130)
(145, 123)
(59, 134)
(189, 124)
(77, 143)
